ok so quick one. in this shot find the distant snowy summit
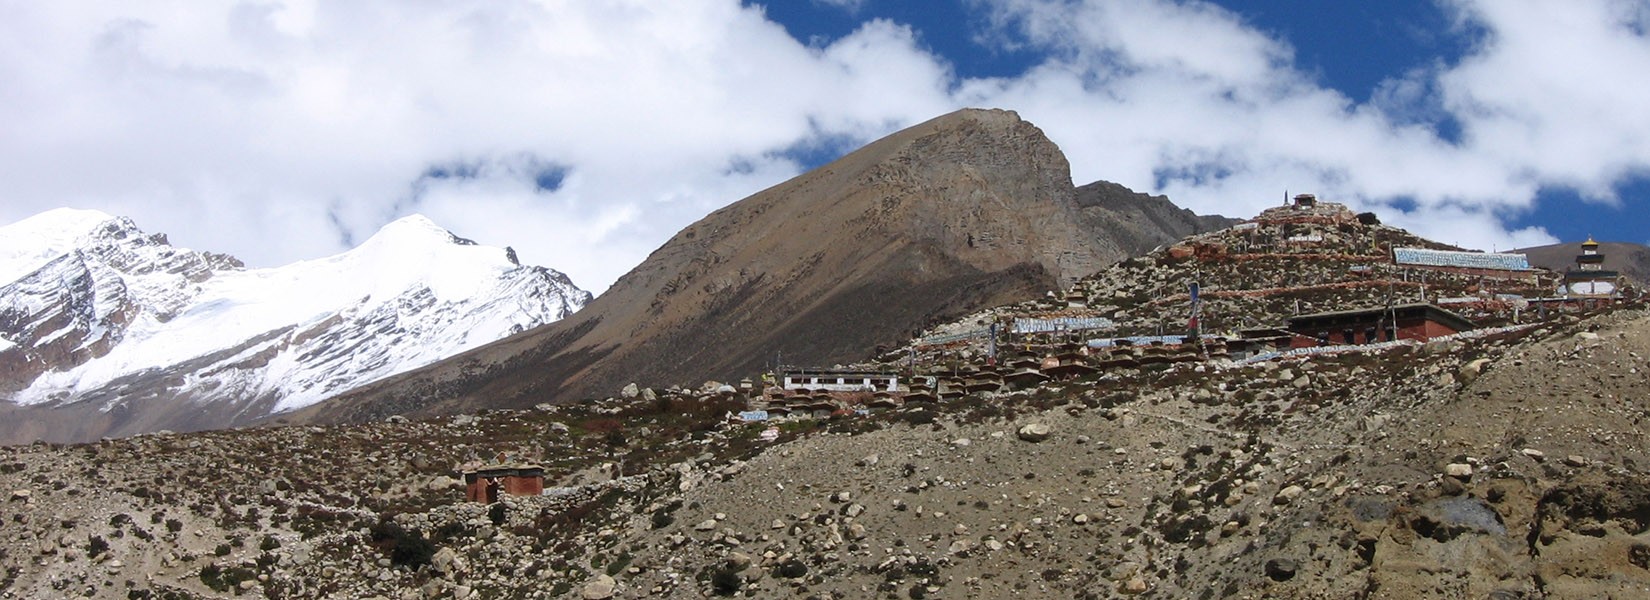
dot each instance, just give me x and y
(129, 333)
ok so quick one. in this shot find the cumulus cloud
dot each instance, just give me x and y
(1186, 99)
(586, 133)
(291, 130)
(852, 6)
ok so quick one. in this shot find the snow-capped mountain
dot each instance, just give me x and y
(96, 314)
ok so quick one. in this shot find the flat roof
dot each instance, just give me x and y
(503, 467)
(1449, 318)
(837, 373)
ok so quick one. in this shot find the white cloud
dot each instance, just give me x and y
(1185, 98)
(1558, 90)
(851, 6)
(286, 130)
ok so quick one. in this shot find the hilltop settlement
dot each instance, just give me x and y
(1306, 404)
(1306, 279)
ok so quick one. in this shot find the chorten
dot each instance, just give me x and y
(1589, 279)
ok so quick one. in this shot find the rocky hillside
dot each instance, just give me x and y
(1509, 461)
(968, 210)
(1504, 466)
(108, 330)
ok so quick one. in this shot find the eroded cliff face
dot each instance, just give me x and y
(970, 209)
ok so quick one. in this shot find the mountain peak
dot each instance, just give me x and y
(30, 243)
(417, 228)
(75, 221)
(997, 116)
(969, 209)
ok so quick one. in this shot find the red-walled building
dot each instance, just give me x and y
(1418, 321)
(484, 484)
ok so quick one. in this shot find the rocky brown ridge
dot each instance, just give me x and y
(1509, 463)
(968, 210)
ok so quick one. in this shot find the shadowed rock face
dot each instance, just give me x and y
(1123, 223)
(971, 209)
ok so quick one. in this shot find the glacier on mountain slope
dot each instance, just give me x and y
(203, 328)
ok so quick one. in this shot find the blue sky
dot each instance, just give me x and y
(585, 132)
(1351, 48)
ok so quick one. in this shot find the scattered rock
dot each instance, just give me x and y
(1034, 432)
(1472, 370)
(1459, 471)
(446, 562)
(1281, 569)
(1451, 486)
(600, 588)
(1135, 585)
(739, 561)
(1288, 494)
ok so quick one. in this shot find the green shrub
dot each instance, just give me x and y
(223, 580)
(404, 548)
(791, 569)
(96, 545)
(726, 581)
(662, 519)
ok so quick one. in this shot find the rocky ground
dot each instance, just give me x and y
(1505, 466)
